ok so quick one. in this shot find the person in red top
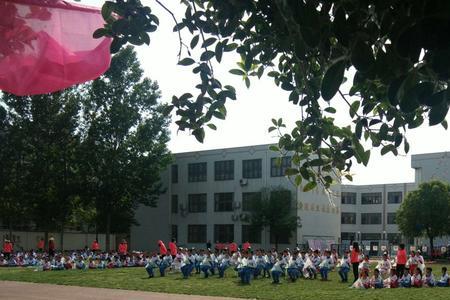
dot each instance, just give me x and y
(401, 260)
(173, 248)
(162, 248)
(51, 247)
(355, 259)
(95, 247)
(41, 245)
(123, 249)
(233, 247)
(246, 246)
(7, 249)
(219, 246)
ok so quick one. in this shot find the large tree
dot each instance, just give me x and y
(272, 208)
(397, 52)
(426, 211)
(42, 171)
(125, 133)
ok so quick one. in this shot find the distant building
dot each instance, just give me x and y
(208, 194)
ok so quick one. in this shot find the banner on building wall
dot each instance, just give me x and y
(47, 45)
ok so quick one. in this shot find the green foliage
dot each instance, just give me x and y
(88, 155)
(274, 210)
(124, 136)
(426, 211)
(399, 49)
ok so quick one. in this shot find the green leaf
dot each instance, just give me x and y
(291, 172)
(237, 72)
(194, 41)
(362, 56)
(107, 9)
(186, 61)
(444, 124)
(272, 128)
(116, 45)
(298, 180)
(199, 134)
(101, 32)
(208, 42)
(247, 82)
(406, 146)
(274, 148)
(438, 113)
(330, 110)
(349, 177)
(333, 79)
(207, 55)
(310, 186)
(387, 149)
(354, 108)
(212, 126)
(219, 51)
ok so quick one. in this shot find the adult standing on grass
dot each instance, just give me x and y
(51, 247)
(162, 248)
(173, 248)
(41, 245)
(7, 249)
(354, 259)
(123, 249)
(401, 259)
(95, 247)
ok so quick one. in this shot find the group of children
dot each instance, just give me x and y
(386, 275)
(82, 260)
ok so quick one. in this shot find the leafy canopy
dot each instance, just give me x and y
(399, 51)
(272, 208)
(426, 211)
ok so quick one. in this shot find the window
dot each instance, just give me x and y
(196, 203)
(371, 218)
(347, 236)
(279, 165)
(348, 218)
(251, 168)
(197, 172)
(394, 197)
(224, 233)
(371, 198)
(248, 200)
(174, 207)
(370, 236)
(196, 233)
(391, 218)
(175, 232)
(283, 237)
(348, 198)
(394, 238)
(174, 173)
(251, 234)
(224, 170)
(223, 201)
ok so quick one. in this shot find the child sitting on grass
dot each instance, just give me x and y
(443, 282)
(428, 279)
(363, 281)
(376, 281)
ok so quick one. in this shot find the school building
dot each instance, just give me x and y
(208, 194)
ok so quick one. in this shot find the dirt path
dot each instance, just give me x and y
(13, 290)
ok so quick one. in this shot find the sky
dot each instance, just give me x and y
(250, 115)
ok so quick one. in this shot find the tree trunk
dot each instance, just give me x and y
(108, 231)
(62, 237)
(10, 229)
(46, 240)
(431, 246)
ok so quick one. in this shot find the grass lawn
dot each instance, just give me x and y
(136, 279)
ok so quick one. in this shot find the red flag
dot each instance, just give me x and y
(47, 45)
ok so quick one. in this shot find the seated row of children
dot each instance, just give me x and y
(248, 265)
(81, 259)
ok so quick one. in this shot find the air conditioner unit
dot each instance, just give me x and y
(243, 182)
(236, 205)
